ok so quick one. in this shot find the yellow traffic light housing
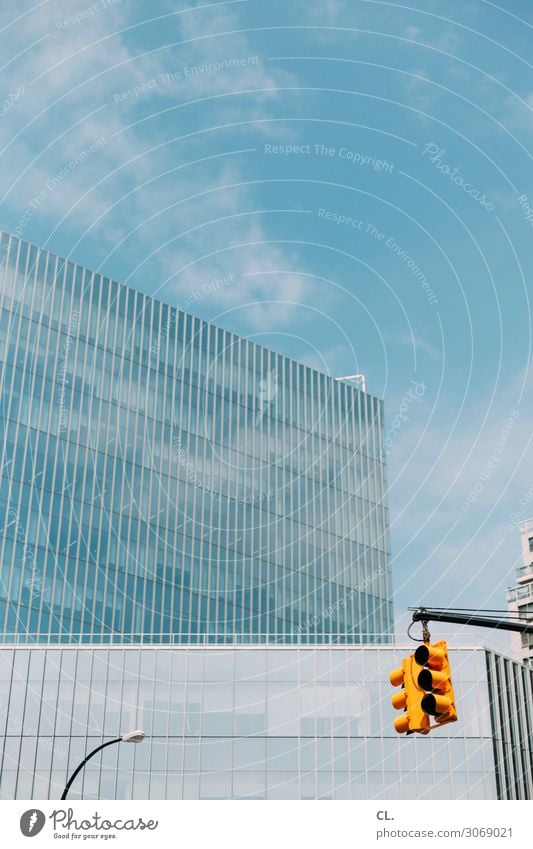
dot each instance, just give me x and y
(427, 691)
(434, 679)
(409, 698)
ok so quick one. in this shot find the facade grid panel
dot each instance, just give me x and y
(511, 697)
(239, 722)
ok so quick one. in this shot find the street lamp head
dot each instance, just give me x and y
(133, 737)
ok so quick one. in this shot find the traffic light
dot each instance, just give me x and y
(435, 680)
(409, 698)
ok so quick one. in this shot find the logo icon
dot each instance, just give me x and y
(32, 822)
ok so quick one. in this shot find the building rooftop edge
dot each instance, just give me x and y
(177, 309)
(232, 646)
(393, 647)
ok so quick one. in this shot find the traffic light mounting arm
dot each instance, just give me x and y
(426, 614)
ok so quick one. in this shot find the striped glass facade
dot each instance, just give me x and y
(276, 722)
(163, 480)
(511, 685)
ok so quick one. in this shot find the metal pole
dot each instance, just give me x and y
(427, 615)
(79, 769)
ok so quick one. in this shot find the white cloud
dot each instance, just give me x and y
(413, 33)
(125, 186)
(449, 550)
(329, 12)
(416, 342)
(517, 114)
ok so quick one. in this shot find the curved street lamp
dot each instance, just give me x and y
(131, 737)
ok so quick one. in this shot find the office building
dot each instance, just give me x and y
(276, 722)
(520, 597)
(166, 481)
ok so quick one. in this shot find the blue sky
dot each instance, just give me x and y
(360, 171)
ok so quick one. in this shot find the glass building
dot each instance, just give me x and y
(276, 722)
(163, 480)
(520, 597)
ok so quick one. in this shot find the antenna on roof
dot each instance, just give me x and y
(355, 378)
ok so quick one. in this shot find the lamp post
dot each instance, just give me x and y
(130, 737)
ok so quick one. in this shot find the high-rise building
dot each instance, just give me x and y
(164, 480)
(520, 597)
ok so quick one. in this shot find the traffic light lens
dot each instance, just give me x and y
(436, 705)
(399, 700)
(421, 655)
(429, 656)
(425, 680)
(401, 724)
(430, 679)
(396, 677)
(429, 704)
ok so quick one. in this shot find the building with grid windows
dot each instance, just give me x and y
(165, 480)
(276, 722)
(520, 597)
